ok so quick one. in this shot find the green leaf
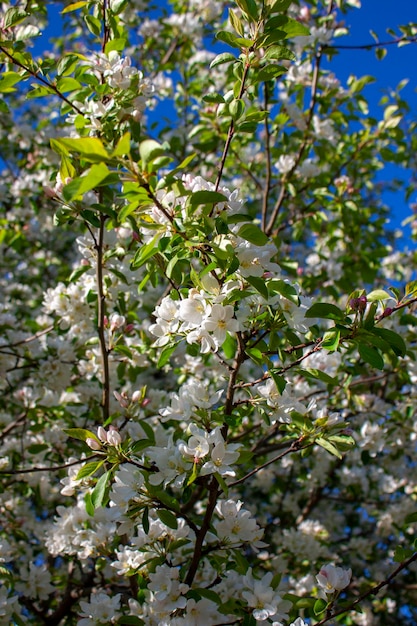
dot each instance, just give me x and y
(149, 149)
(411, 288)
(371, 356)
(259, 285)
(319, 375)
(378, 295)
(329, 447)
(80, 433)
(331, 339)
(93, 24)
(145, 252)
(204, 593)
(74, 6)
(229, 346)
(224, 57)
(228, 37)
(166, 355)
(253, 234)
(91, 179)
(256, 355)
(249, 7)
(39, 92)
(395, 340)
(168, 518)
(90, 148)
(123, 146)
(88, 504)
(279, 381)
(325, 310)
(320, 606)
(279, 6)
(99, 491)
(89, 469)
(193, 476)
(284, 288)
(8, 80)
(236, 23)
(236, 109)
(67, 83)
(13, 16)
(206, 197)
(270, 71)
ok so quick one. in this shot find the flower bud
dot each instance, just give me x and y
(358, 304)
(114, 438)
(121, 399)
(387, 311)
(102, 434)
(93, 443)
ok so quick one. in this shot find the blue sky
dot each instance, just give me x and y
(399, 63)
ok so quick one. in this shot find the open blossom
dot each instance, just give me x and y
(100, 610)
(237, 525)
(198, 445)
(332, 578)
(260, 596)
(221, 321)
(222, 455)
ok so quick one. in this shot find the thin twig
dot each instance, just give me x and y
(41, 79)
(370, 46)
(101, 314)
(294, 447)
(54, 468)
(373, 591)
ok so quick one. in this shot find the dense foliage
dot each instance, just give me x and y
(207, 353)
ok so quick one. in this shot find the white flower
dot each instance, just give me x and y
(100, 610)
(220, 321)
(198, 445)
(260, 596)
(285, 163)
(237, 525)
(222, 456)
(332, 578)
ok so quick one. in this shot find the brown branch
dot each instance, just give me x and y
(302, 149)
(101, 313)
(268, 173)
(373, 591)
(201, 534)
(54, 468)
(231, 130)
(370, 46)
(294, 447)
(42, 80)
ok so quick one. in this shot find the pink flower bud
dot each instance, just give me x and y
(358, 304)
(114, 438)
(121, 399)
(386, 312)
(93, 443)
(102, 434)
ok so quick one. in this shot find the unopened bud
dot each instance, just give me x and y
(93, 443)
(121, 399)
(386, 312)
(102, 434)
(358, 304)
(114, 438)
